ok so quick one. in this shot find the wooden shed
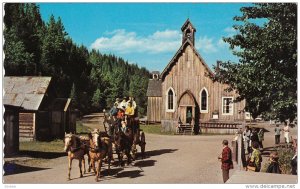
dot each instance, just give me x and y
(187, 95)
(11, 130)
(154, 98)
(63, 117)
(35, 96)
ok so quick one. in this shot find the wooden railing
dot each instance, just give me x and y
(219, 125)
(185, 129)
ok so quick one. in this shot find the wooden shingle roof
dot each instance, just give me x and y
(154, 88)
(26, 92)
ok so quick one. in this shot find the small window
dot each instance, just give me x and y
(227, 105)
(204, 101)
(170, 100)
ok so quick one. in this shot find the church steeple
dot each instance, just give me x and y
(188, 32)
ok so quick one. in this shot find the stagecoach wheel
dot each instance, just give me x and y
(143, 144)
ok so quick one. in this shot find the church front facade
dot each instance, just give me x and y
(187, 94)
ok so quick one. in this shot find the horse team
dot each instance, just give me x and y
(99, 146)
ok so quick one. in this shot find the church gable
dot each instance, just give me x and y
(187, 55)
(186, 59)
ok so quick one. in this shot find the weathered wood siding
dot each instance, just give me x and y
(154, 109)
(27, 126)
(188, 74)
(11, 132)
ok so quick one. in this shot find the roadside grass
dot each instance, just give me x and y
(154, 129)
(80, 128)
(52, 146)
(55, 146)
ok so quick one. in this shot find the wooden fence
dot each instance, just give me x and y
(219, 127)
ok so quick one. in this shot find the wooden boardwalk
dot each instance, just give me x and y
(246, 177)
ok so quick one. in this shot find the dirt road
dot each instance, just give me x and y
(170, 159)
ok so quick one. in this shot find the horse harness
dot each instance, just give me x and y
(78, 144)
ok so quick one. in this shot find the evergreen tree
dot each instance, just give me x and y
(92, 79)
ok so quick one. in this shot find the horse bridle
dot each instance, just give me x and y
(69, 147)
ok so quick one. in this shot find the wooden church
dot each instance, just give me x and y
(184, 94)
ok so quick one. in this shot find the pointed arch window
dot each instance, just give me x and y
(204, 101)
(170, 101)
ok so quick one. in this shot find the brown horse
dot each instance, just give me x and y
(76, 149)
(100, 148)
(136, 136)
(139, 139)
(122, 145)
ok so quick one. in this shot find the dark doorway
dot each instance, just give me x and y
(189, 114)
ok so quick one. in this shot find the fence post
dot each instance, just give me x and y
(239, 158)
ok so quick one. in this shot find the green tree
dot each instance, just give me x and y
(92, 79)
(17, 61)
(266, 45)
(25, 22)
(138, 89)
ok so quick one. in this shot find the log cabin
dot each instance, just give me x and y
(183, 94)
(32, 108)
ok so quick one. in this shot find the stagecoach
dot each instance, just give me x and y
(134, 133)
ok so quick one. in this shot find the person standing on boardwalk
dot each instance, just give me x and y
(226, 159)
(246, 137)
(256, 158)
(261, 138)
(277, 134)
(286, 130)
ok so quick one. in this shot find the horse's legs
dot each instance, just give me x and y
(129, 157)
(89, 163)
(93, 166)
(80, 166)
(70, 166)
(83, 162)
(119, 156)
(98, 169)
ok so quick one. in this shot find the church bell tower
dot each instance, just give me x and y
(188, 32)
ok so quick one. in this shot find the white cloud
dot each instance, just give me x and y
(125, 42)
(230, 31)
(222, 44)
(206, 45)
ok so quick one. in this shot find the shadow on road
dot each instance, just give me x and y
(12, 168)
(159, 152)
(130, 174)
(111, 172)
(44, 155)
(145, 163)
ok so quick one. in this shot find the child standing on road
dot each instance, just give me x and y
(277, 134)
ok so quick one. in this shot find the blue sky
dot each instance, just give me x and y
(147, 33)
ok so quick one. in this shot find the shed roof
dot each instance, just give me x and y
(26, 91)
(156, 72)
(154, 88)
(60, 104)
